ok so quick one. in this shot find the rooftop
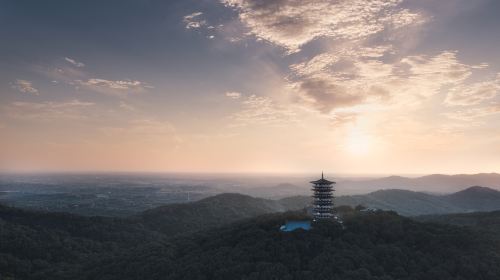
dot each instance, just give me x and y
(294, 225)
(322, 181)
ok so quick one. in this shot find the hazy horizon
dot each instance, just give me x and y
(234, 174)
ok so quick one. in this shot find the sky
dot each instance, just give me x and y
(344, 86)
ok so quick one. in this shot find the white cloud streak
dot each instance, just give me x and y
(74, 62)
(109, 86)
(233, 95)
(25, 86)
(194, 21)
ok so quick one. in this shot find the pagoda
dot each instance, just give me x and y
(323, 199)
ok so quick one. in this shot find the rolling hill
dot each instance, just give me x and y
(220, 238)
(211, 212)
(379, 246)
(489, 221)
(436, 184)
(222, 209)
(404, 202)
(431, 183)
(475, 199)
(410, 203)
(44, 245)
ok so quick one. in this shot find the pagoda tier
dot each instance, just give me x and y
(323, 199)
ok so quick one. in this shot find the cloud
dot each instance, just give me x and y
(355, 76)
(127, 106)
(351, 70)
(193, 21)
(144, 127)
(48, 111)
(79, 78)
(260, 110)
(340, 118)
(293, 23)
(326, 95)
(473, 94)
(62, 74)
(363, 57)
(74, 62)
(113, 87)
(119, 85)
(233, 94)
(25, 86)
(471, 114)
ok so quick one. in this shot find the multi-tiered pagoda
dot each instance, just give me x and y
(323, 199)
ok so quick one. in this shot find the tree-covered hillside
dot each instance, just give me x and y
(488, 221)
(43, 245)
(212, 212)
(410, 203)
(379, 245)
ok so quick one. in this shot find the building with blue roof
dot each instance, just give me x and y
(294, 225)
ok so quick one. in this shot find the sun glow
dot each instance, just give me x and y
(358, 143)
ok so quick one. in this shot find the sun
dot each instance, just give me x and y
(358, 143)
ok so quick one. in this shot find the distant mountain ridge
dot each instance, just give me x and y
(411, 203)
(223, 209)
(435, 184)
(429, 183)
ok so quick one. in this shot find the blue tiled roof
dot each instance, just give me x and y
(293, 225)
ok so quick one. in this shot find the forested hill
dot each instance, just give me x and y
(212, 212)
(225, 208)
(410, 203)
(489, 221)
(44, 245)
(379, 245)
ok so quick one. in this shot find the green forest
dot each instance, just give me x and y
(373, 245)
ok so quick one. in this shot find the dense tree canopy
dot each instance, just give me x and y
(378, 245)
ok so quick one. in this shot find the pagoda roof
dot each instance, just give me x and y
(322, 181)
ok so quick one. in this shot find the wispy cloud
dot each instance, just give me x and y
(48, 111)
(362, 58)
(293, 23)
(126, 106)
(74, 62)
(25, 86)
(113, 87)
(350, 71)
(83, 79)
(194, 20)
(474, 93)
(233, 94)
(260, 110)
(330, 81)
(471, 114)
